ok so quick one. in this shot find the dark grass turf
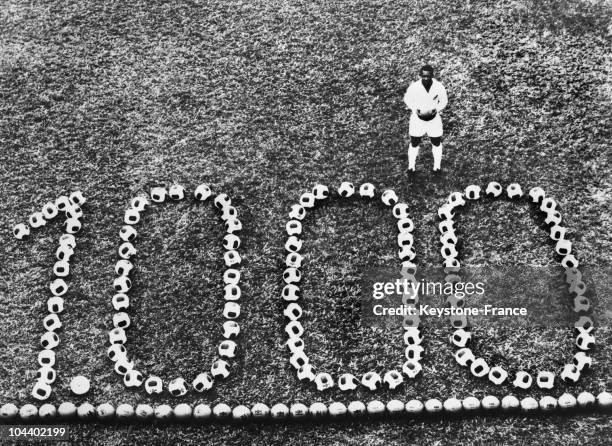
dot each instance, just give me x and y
(262, 100)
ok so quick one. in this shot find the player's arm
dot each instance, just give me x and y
(442, 99)
(409, 100)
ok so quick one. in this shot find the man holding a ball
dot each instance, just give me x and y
(425, 98)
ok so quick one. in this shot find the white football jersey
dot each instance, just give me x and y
(417, 98)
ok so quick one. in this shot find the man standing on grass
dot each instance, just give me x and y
(425, 98)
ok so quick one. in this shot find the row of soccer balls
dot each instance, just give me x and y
(299, 411)
(291, 292)
(71, 206)
(117, 352)
(461, 337)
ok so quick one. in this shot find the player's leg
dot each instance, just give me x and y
(416, 132)
(435, 136)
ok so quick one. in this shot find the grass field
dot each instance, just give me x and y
(262, 100)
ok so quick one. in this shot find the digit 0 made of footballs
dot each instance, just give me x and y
(461, 336)
(71, 207)
(291, 292)
(117, 351)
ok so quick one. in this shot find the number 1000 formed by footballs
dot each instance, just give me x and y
(125, 366)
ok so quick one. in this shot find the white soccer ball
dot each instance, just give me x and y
(497, 375)
(127, 233)
(131, 216)
(536, 194)
(393, 379)
(183, 412)
(366, 190)
(66, 410)
(411, 368)
(529, 404)
(51, 322)
(231, 276)
(375, 407)
(405, 225)
(567, 401)
(490, 402)
(604, 399)
(414, 353)
(133, 378)
(389, 197)
(49, 210)
(293, 227)
(231, 310)
(494, 189)
(221, 201)
(356, 408)
(415, 407)
(241, 413)
(227, 349)
(121, 320)
(307, 200)
(479, 368)
(553, 218)
(585, 341)
(177, 387)
(123, 365)
(61, 268)
(120, 301)
(21, 231)
(514, 191)
(293, 311)
(320, 191)
(231, 292)
(158, 194)
(37, 220)
(116, 352)
(49, 340)
(126, 250)
(41, 390)
(163, 412)
(74, 212)
(124, 412)
(306, 374)
(337, 410)
(229, 213)
(203, 382)
(202, 192)
(471, 403)
(294, 260)
(105, 411)
(117, 336)
(55, 305)
(433, 406)
(400, 211)
(318, 410)
(452, 405)
(455, 199)
(563, 247)
(548, 403)
(122, 284)
(72, 225)
(144, 412)
(545, 380)
(346, 189)
(46, 374)
(297, 212)
(371, 380)
(522, 380)
(347, 382)
(324, 381)
(292, 275)
(28, 413)
(461, 337)
(58, 287)
(176, 192)
(279, 411)
(582, 361)
(260, 411)
(49, 411)
(154, 385)
(232, 258)
(220, 369)
(231, 329)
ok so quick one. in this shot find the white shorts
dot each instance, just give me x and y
(418, 127)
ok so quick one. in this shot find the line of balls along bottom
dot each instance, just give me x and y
(566, 403)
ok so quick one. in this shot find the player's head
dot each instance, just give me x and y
(426, 72)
